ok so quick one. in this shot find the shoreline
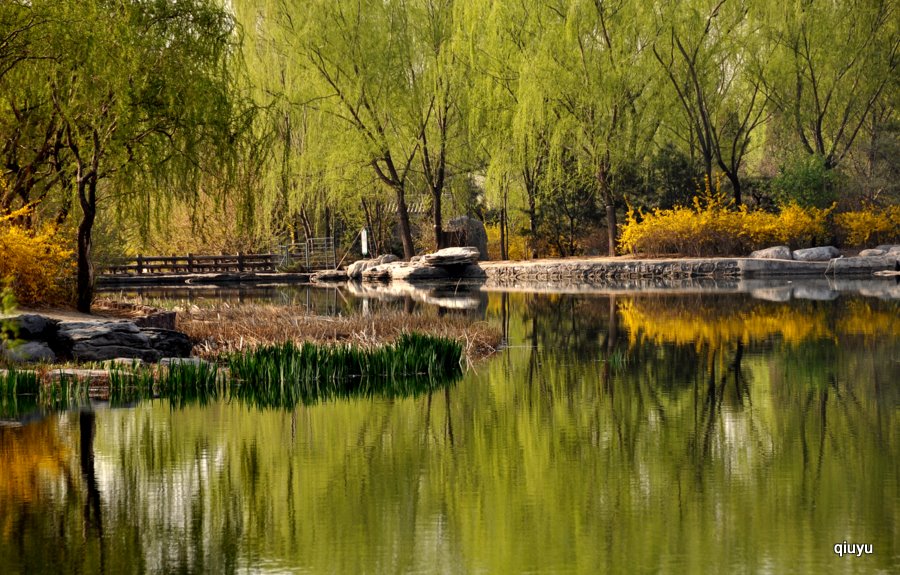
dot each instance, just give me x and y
(572, 270)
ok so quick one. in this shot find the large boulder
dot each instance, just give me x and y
(103, 340)
(773, 253)
(872, 253)
(818, 254)
(329, 276)
(99, 341)
(29, 326)
(418, 273)
(356, 269)
(452, 257)
(472, 233)
(27, 352)
(168, 342)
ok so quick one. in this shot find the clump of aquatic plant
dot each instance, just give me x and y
(287, 374)
(63, 391)
(18, 391)
(181, 383)
(15, 382)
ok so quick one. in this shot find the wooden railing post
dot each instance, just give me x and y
(190, 265)
(241, 262)
(140, 264)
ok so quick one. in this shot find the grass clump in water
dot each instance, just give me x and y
(288, 373)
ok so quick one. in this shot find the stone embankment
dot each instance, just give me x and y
(586, 271)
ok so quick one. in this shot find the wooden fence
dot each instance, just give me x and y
(193, 264)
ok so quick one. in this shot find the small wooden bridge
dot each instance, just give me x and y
(313, 255)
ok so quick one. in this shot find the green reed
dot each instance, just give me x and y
(15, 382)
(287, 374)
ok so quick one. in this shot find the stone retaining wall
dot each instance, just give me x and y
(597, 271)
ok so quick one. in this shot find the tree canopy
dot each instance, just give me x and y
(296, 119)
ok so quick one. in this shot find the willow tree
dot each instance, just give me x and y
(384, 73)
(596, 72)
(509, 114)
(137, 95)
(834, 63)
(713, 56)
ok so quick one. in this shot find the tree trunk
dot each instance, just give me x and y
(87, 192)
(439, 239)
(736, 187)
(405, 231)
(504, 255)
(603, 181)
(532, 224)
(611, 227)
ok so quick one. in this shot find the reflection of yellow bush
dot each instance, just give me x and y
(38, 264)
(710, 227)
(651, 320)
(32, 455)
(659, 321)
(869, 226)
(861, 319)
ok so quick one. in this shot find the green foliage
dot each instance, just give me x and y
(806, 181)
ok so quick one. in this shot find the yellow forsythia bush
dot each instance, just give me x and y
(517, 244)
(710, 227)
(38, 265)
(869, 227)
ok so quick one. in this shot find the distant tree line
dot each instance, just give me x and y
(255, 122)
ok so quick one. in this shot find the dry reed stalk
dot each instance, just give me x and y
(226, 328)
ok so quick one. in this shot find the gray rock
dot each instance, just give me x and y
(773, 253)
(888, 248)
(452, 257)
(168, 343)
(817, 254)
(472, 232)
(871, 253)
(102, 333)
(30, 326)
(326, 276)
(378, 273)
(194, 361)
(415, 273)
(101, 341)
(124, 362)
(356, 269)
(28, 352)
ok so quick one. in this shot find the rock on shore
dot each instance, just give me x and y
(32, 337)
(443, 264)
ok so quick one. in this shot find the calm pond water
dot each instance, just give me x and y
(626, 433)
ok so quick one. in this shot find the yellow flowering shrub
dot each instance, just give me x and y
(38, 265)
(869, 227)
(518, 246)
(712, 227)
